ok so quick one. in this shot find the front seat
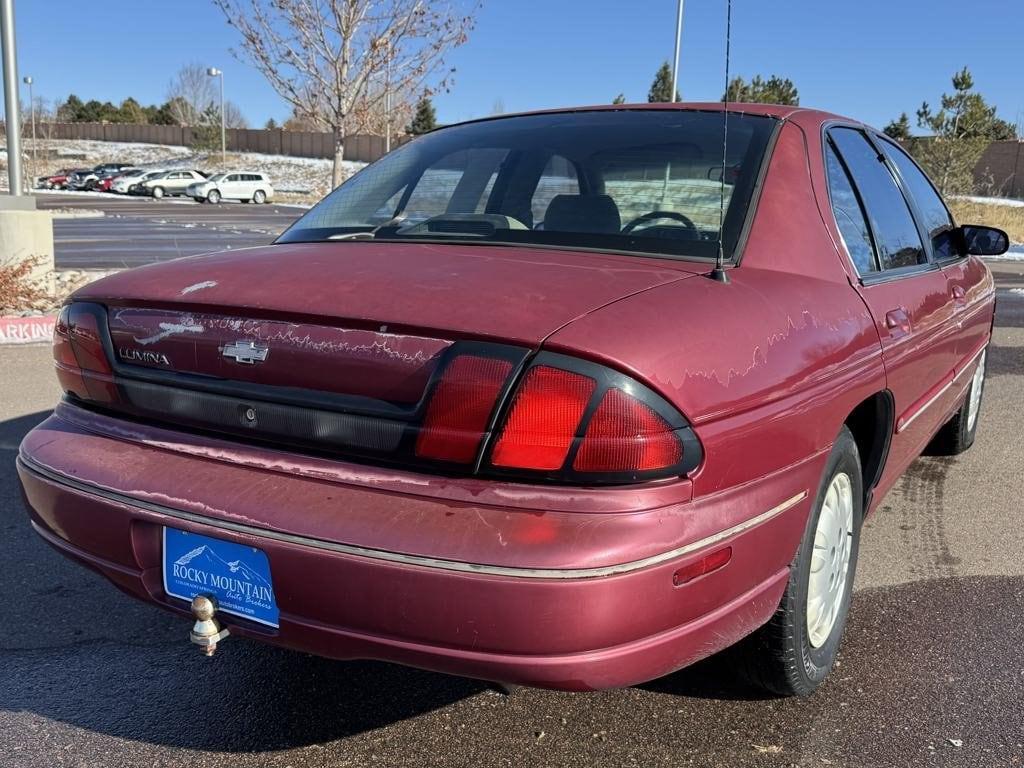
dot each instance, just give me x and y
(597, 214)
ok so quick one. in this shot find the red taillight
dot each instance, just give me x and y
(461, 407)
(626, 435)
(62, 351)
(82, 365)
(543, 420)
(84, 331)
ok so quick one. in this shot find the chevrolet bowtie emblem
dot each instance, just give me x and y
(247, 352)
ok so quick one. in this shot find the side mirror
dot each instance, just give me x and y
(985, 241)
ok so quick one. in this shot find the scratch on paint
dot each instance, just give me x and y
(169, 329)
(198, 287)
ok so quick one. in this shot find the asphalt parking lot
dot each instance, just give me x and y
(931, 672)
(139, 230)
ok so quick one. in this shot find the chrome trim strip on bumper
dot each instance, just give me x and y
(418, 560)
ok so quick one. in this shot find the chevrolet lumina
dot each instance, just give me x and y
(567, 399)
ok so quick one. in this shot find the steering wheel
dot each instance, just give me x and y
(654, 216)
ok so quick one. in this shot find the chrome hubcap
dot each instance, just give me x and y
(977, 383)
(830, 561)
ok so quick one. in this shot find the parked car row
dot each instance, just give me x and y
(125, 179)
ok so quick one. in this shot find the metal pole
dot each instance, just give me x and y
(387, 103)
(32, 111)
(675, 58)
(13, 123)
(223, 131)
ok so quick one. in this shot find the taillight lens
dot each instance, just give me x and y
(460, 408)
(543, 420)
(574, 421)
(62, 351)
(84, 330)
(82, 365)
(625, 435)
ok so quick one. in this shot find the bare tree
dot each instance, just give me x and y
(326, 58)
(190, 94)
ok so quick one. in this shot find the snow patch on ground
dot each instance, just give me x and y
(1009, 202)
(1016, 253)
(300, 179)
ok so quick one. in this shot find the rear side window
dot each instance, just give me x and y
(896, 236)
(853, 226)
(934, 214)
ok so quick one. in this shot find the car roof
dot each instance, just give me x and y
(798, 114)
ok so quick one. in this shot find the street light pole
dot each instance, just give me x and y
(387, 102)
(214, 72)
(13, 122)
(675, 58)
(32, 110)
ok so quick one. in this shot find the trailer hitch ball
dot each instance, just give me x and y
(206, 632)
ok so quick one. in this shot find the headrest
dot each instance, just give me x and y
(582, 213)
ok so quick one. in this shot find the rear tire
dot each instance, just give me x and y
(259, 197)
(957, 434)
(213, 196)
(793, 653)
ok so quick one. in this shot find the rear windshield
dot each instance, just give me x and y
(644, 181)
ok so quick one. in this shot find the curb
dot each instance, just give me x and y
(26, 330)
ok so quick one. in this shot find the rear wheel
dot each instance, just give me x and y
(957, 434)
(793, 653)
(158, 192)
(259, 197)
(213, 196)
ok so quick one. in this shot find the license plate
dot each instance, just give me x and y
(237, 575)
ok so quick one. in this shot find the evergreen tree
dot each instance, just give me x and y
(961, 130)
(899, 129)
(131, 111)
(271, 125)
(774, 90)
(620, 99)
(425, 118)
(71, 110)
(661, 88)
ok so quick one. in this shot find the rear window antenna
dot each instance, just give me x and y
(718, 273)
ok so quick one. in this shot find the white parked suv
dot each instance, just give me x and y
(240, 185)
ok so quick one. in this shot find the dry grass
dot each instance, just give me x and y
(18, 291)
(1008, 218)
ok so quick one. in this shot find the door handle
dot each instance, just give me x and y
(897, 321)
(959, 295)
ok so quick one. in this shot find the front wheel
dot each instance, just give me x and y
(158, 192)
(793, 653)
(213, 196)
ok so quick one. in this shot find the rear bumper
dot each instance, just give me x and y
(572, 621)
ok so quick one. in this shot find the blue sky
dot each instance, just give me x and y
(868, 59)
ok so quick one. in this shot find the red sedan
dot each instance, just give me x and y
(569, 399)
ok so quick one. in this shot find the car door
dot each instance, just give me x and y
(969, 282)
(233, 187)
(905, 291)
